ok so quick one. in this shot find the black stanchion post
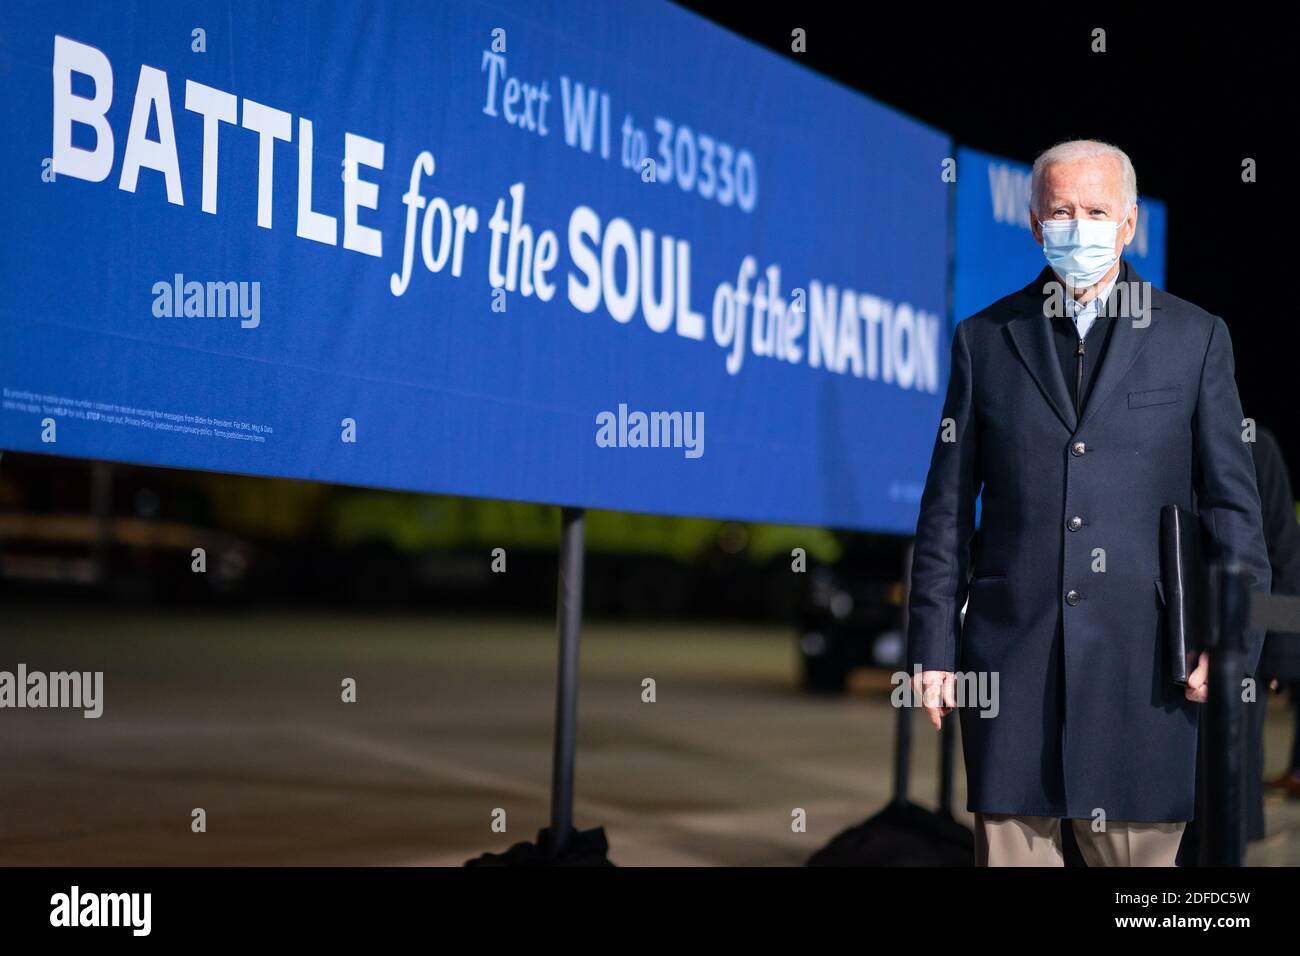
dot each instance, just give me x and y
(568, 614)
(1223, 836)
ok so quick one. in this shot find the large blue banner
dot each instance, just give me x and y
(600, 254)
(995, 253)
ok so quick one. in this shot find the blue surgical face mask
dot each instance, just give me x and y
(1080, 250)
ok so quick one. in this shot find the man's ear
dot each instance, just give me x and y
(1034, 227)
(1130, 224)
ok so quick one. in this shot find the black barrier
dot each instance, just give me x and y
(1234, 609)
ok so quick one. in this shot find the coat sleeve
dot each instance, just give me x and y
(1226, 491)
(941, 553)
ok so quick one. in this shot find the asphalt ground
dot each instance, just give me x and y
(240, 713)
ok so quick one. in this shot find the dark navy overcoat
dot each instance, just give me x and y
(1063, 578)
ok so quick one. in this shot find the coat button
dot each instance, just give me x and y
(1077, 449)
(1072, 598)
(1075, 523)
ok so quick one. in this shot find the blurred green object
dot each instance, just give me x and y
(413, 523)
(267, 508)
(339, 518)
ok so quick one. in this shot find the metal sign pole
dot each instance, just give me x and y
(568, 613)
(903, 725)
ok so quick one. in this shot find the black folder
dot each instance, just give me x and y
(1183, 588)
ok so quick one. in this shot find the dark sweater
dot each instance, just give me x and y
(1066, 336)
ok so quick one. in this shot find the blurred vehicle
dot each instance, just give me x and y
(120, 530)
(851, 614)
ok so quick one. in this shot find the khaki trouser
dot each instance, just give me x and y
(1005, 840)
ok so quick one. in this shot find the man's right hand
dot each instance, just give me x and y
(937, 691)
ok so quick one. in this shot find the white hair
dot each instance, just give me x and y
(1077, 149)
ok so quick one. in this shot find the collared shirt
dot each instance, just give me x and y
(1085, 315)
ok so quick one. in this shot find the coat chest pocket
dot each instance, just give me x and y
(989, 600)
(1155, 396)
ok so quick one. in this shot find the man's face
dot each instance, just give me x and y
(1086, 189)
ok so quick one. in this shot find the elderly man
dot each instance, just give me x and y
(1077, 407)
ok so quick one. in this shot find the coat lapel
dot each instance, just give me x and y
(1031, 334)
(1127, 340)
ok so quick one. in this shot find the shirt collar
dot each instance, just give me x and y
(1096, 301)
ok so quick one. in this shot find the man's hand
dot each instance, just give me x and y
(937, 693)
(1198, 681)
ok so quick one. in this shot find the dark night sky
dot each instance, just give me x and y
(1187, 98)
